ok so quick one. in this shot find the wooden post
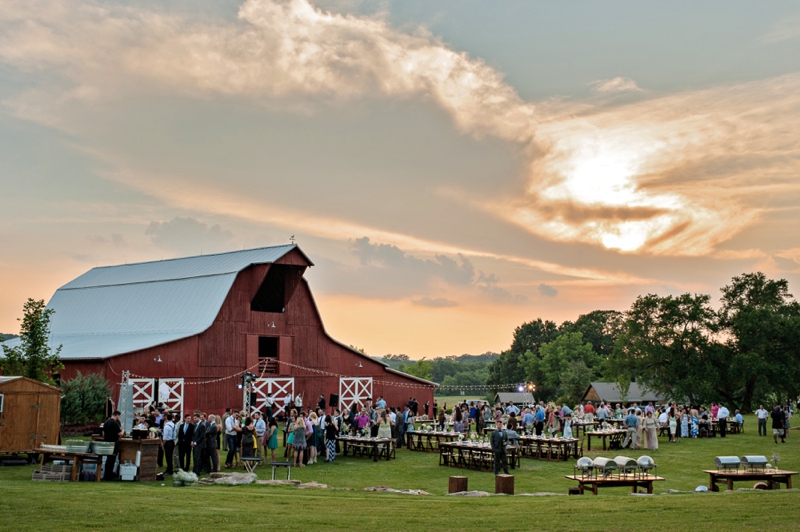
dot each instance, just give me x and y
(504, 484)
(458, 484)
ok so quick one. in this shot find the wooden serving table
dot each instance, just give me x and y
(478, 456)
(77, 460)
(614, 437)
(771, 475)
(615, 481)
(148, 462)
(552, 449)
(374, 447)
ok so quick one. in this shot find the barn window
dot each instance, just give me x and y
(1, 403)
(271, 296)
(267, 346)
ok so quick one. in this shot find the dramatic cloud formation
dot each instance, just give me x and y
(623, 179)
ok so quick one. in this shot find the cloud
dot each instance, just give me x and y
(389, 258)
(547, 290)
(438, 302)
(189, 236)
(615, 85)
(275, 49)
(671, 175)
(659, 176)
(489, 285)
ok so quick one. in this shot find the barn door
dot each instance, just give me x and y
(170, 392)
(354, 390)
(279, 388)
(143, 392)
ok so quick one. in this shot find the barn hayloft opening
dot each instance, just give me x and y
(267, 346)
(275, 292)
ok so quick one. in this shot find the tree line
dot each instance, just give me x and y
(744, 352)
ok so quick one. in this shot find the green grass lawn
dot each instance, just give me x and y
(27, 505)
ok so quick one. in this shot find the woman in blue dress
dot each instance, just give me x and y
(684, 423)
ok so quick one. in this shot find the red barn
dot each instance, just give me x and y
(188, 328)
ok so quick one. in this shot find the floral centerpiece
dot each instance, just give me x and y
(365, 432)
(460, 438)
(529, 428)
(473, 436)
(775, 459)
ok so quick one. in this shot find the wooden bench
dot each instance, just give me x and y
(287, 465)
(251, 463)
(770, 475)
(615, 481)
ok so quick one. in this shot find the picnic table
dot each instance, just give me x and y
(771, 475)
(611, 438)
(552, 449)
(615, 481)
(478, 456)
(77, 460)
(372, 447)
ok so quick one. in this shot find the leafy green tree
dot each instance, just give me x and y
(569, 355)
(761, 323)
(668, 345)
(84, 399)
(528, 337)
(574, 382)
(420, 368)
(33, 358)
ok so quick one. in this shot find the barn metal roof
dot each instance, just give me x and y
(113, 310)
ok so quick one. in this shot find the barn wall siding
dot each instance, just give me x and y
(224, 349)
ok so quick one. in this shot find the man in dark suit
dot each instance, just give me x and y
(198, 443)
(185, 432)
(498, 442)
(212, 445)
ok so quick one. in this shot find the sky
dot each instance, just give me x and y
(453, 168)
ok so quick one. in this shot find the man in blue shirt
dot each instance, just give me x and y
(539, 420)
(631, 422)
(511, 408)
(527, 418)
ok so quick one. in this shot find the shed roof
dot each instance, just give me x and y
(610, 392)
(113, 310)
(517, 397)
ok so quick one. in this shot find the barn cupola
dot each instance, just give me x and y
(277, 288)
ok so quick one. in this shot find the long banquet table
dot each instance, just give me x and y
(370, 447)
(428, 440)
(477, 456)
(553, 449)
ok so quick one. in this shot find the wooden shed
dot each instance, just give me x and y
(187, 328)
(30, 413)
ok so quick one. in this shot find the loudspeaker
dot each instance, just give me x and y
(334, 402)
(253, 399)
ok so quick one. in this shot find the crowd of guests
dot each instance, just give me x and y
(312, 433)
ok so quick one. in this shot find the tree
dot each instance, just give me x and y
(84, 399)
(420, 368)
(567, 357)
(668, 345)
(600, 328)
(33, 358)
(528, 337)
(761, 322)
